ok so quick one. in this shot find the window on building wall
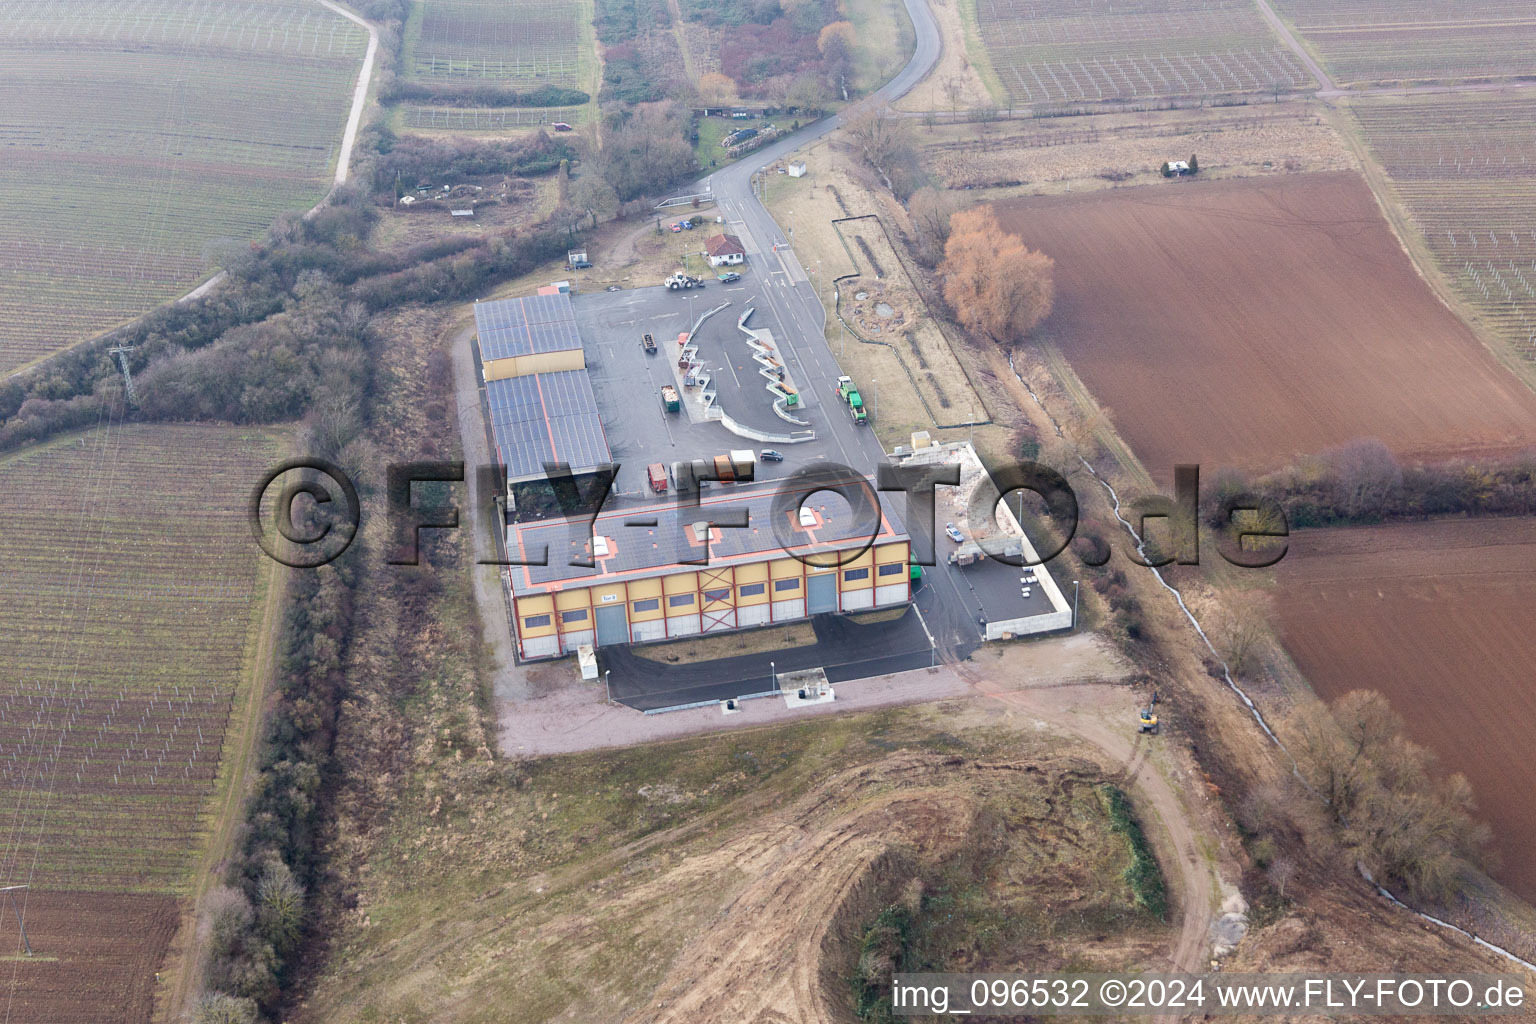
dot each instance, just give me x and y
(649, 604)
(579, 615)
(535, 621)
(849, 575)
(892, 569)
(718, 595)
(680, 600)
(753, 589)
(793, 584)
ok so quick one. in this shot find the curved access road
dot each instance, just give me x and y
(783, 288)
(732, 186)
(359, 94)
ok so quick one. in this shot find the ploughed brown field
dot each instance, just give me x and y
(1441, 618)
(96, 957)
(1246, 322)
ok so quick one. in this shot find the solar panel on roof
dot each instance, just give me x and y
(524, 326)
(546, 417)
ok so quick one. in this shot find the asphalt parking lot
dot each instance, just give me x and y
(846, 649)
(628, 382)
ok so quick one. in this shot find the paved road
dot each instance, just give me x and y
(950, 611)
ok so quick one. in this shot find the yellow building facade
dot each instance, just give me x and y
(741, 592)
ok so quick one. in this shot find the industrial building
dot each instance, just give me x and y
(539, 397)
(638, 586)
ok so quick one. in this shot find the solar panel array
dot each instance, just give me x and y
(526, 326)
(546, 417)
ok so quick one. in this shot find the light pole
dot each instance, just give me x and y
(1074, 604)
(774, 671)
(607, 690)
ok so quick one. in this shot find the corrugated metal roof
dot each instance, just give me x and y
(525, 326)
(643, 550)
(546, 417)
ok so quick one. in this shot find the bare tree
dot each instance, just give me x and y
(1394, 813)
(645, 152)
(1365, 476)
(1242, 626)
(222, 1009)
(1280, 872)
(879, 135)
(716, 88)
(594, 195)
(954, 91)
(931, 210)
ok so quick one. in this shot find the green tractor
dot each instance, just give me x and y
(855, 401)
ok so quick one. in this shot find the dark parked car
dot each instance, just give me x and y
(769, 455)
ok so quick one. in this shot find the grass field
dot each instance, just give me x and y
(127, 614)
(1245, 323)
(1055, 51)
(1465, 169)
(132, 140)
(1440, 617)
(1417, 40)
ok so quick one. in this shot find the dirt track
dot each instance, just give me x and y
(1244, 323)
(1100, 716)
(1049, 683)
(1440, 617)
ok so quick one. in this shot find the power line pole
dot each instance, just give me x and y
(121, 351)
(10, 895)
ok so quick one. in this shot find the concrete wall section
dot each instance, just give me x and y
(570, 641)
(855, 600)
(794, 609)
(1029, 625)
(641, 632)
(752, 615)
(540, 646)
(683, 625)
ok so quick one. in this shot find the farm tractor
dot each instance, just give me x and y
(851, 397)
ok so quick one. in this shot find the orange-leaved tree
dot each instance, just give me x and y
(715, 87)
(993, 283)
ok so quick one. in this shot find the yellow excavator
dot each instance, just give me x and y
(1148, 717)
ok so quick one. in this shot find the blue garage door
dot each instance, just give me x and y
(821, 593)
(611, 626)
